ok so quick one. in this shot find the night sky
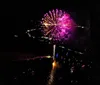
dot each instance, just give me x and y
(16, 21)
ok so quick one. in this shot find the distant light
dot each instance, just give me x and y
(57, 55)
(46, 37)
(42, 36)
(29, 69)
(71, 71)
(69, 49)
(75, 51)
(71, 81)
(32, 29)
(63, 47)
(23, 72)
(49, 42)
(67, 54)
(50, 38)
(32, 72)
(15, 35)
(76, 81)
(78, 26)
(48, 56)
(80, 53)
(29, 35)
(82, 26)
(83, 66)
(28, 30)
(88, 65)
(33, 36)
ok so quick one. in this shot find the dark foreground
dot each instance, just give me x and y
(37, 73)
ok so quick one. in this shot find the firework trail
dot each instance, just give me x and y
(57, 24)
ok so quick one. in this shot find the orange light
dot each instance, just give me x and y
(54, 64)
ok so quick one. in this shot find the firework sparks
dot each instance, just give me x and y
(57, 24)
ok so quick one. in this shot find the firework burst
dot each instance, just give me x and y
(57, 24)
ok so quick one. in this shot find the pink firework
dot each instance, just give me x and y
(58, 25)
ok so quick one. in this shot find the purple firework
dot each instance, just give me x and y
(58, 25)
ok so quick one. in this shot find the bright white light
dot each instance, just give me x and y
(48, 56)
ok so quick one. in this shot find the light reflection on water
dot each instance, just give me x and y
(52, 73)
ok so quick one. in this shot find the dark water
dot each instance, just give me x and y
(25, 72)
(37, 73)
